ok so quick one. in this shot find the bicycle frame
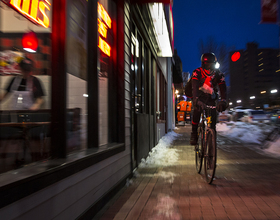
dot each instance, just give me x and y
(207, 150)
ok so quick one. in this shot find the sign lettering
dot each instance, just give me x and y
(103, 26)
(104, 47)
(30, 9)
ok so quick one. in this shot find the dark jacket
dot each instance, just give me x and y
(205, 85)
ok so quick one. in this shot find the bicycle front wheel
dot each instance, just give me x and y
(199, 149)
(210, 155)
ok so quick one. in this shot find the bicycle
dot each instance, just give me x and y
(207, 149)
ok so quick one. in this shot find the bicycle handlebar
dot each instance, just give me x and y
(203, 106)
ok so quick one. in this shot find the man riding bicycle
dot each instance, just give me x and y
(205, 83)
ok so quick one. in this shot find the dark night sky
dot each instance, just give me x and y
(233, 22)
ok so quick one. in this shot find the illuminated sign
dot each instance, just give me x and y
(235, 56)
(103, 26)
(34, 10)
(104, 15)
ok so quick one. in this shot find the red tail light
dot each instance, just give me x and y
(251, 117)
(279, 116)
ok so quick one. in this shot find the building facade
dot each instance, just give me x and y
(254, 77)
(108, 95)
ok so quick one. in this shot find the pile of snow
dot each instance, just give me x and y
(251, 134)
(244, 132)
(162, 154)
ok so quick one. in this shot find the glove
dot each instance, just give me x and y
(222, 105)
(198, 105)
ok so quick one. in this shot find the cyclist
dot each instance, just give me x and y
(205, 83)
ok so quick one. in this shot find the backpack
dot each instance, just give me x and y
(188, 88)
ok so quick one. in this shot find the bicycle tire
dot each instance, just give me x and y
(210, 156)
(199, 149)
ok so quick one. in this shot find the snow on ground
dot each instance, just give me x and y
(248, 133)
(163, 155)
(244, 132)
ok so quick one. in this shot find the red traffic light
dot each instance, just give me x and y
(235, 56)
(30, 42)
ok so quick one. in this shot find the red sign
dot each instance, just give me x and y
(269, 11)
(34, 10)
(235, 56)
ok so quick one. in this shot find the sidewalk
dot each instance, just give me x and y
(247, 186)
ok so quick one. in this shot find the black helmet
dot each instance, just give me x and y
(208, 58)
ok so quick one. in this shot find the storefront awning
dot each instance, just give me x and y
(151, 1)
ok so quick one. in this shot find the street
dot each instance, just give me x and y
(246, 186)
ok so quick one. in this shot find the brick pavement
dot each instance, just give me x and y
(247, 186)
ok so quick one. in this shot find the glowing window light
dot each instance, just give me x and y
(31, 10)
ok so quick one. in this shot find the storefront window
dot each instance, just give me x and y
(106, 72)
(76, 53)
(25, 82)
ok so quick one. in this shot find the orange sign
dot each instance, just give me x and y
(104, 15)
(33, 10)
(103, 26)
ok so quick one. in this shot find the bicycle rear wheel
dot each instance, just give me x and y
(199, 149)
(210, 156)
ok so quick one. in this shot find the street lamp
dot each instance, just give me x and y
(238, 101)
(252, 97)
(273, 91)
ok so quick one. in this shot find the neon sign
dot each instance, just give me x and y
(103, 26)
(34, 10)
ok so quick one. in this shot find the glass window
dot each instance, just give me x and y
(25, 82)
(76, 52)
(140, 71)
(107, 71)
